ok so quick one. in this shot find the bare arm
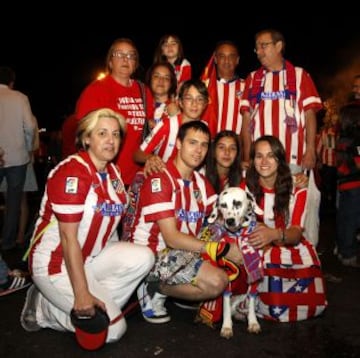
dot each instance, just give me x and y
(176, 239)
(84, 301)
(140, 156)
(263, 236)
(309, 158)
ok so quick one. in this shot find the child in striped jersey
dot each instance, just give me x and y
(170, 49)
(159, 146)
(161, 79)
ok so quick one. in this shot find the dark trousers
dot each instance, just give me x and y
(348, 223)
(328, 187)
(15, 179)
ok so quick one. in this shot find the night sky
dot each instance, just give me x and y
(55, 59)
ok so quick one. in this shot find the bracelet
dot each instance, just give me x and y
(282, 236)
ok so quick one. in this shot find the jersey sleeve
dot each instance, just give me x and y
(154, 139)
(309, 93)
(67, 190)
(298, 211)
(156, 198)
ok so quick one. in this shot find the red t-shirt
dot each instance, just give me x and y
(126, 101)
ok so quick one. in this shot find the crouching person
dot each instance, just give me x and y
(172, 206)
(293, 287)
(78, 265)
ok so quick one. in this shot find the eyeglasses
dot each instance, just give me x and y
(262, 45)
(170, 43)
(122, 55)
(197, 100)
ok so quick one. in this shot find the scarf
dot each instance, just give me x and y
(257, 88)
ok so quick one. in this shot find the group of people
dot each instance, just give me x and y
(338, 153)
(202, 137)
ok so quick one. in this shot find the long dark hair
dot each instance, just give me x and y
(159, 57)
(211, 172)
(283, 184)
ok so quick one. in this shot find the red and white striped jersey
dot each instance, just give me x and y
(270, 111)
(162, 139)
(229, 94)
(296, 207)
(76, 193)
(326, 146)
(166, 194)
(183, 72)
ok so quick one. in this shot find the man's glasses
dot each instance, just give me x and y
(262, 45)
(123, 55)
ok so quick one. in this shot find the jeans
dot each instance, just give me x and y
(348, 222)
(15, 179)
(4, 270)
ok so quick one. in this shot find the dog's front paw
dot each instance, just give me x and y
(226, 332)
(254, 327)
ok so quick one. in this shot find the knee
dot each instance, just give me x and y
(116, 331)
(135, 257)
(146, 259)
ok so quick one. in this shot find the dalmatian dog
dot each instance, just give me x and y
(235, 210)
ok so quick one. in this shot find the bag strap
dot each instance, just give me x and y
(146, 129)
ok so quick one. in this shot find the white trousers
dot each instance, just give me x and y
(112, 277)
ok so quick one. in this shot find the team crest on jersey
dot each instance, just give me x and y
(239, 94)
(197, 195)
(155, 185)
(117, 185)
(71, 186)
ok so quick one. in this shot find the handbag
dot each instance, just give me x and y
(312, 206)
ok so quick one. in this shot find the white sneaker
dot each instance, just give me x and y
(152, 304)
(28, 314)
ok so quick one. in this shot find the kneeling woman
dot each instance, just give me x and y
(76, 259)
(293, 286)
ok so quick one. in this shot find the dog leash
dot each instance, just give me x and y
(127, 310)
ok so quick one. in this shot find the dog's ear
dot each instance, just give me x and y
(257, 210)
(214, 213)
